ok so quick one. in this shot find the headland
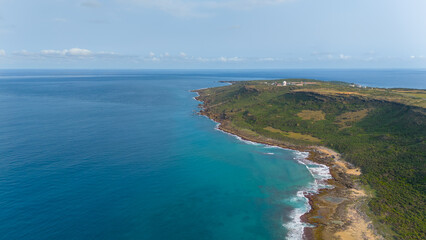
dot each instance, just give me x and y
(296, 114)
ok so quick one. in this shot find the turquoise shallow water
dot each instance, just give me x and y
(123, 155)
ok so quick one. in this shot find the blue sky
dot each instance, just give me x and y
(213, 34)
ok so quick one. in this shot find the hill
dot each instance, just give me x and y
(381, 131)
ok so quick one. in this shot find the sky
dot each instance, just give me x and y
(204, 34)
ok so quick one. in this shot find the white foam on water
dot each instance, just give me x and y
(295, 227)
(320, 173)
(196, 96)
(270, 146)
(235, 136)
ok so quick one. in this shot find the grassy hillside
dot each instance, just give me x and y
(382, 131)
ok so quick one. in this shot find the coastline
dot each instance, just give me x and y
(334, 208)
(321, 174)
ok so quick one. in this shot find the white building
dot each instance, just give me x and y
(284, 83)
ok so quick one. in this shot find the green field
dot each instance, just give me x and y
(382, 131)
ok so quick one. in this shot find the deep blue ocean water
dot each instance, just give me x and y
(96, 154)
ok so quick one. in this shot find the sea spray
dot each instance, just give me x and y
(320, 173)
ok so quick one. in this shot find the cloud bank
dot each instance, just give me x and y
(81, 57)
(65, 53)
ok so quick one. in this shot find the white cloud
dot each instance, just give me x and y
(416, 57)
(23, 53)
(267, 59)
(2, 52)
(344, 57)
(201, 59)
(232, 59)
(194, 8)
(51, 52)
(78, 52)
(330, 56)
(81, 54)
(67, 52)
(165, 57)
(186, 58)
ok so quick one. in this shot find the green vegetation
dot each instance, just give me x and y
(293, 135)
(382, 131)
(311, 115)
(347, 119)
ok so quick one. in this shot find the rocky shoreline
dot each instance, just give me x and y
(335, 212)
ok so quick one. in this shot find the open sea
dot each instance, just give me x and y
(122, 154)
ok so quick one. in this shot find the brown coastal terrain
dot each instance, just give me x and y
(336, 213)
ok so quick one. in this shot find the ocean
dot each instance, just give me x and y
(122, 154)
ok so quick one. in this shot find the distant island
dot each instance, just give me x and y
(372, 139)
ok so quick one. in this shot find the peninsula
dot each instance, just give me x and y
(372, 140)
